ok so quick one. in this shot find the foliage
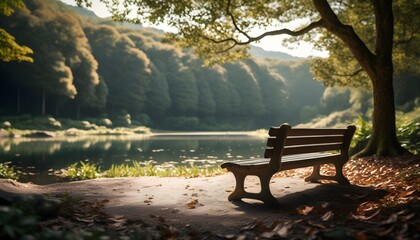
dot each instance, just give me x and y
(82, 171)
(14, 223)
(138, 169)
(9, 49)
(8, 171)
(408, 132)
(361, 136)
(405, 50)
(408, 127)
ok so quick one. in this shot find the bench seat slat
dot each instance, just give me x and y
(287, 164)
(309, 131)
(249, 161)
(285, 159)
(303, 140)
(260, 162)
(311, 148)
(306, 155)
(316, 131)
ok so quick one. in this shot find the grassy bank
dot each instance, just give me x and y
(82, 171)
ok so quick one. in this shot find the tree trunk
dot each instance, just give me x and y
(18, 100)
(383, 141)
(57, 109)
(43, 103)
(78, 111)
(379, 67)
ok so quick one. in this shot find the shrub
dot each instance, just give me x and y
(82, 171)
(8, 171)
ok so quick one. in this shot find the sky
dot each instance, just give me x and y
(272, 43)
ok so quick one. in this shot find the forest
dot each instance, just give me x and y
(87, 67)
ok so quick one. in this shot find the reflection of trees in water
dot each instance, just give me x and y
(59, 153)
(5, 146)
(25, 147)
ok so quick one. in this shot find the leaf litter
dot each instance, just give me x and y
(392, 216)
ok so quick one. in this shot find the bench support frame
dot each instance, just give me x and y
(265, 168)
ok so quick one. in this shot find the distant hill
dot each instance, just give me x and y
(259, 52)
(83, 11)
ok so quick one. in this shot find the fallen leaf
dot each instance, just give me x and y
(365, 218)
(192, 204)
(408, 217)
(269, 234)
(406, 193)
(253, 225)
(304, 210)
(318, 225)
(281, 230)
(325, 204)
(328, 216)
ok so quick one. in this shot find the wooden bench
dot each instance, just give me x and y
(290, 148)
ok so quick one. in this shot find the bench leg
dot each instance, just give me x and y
(239, 191)
(339, 176)
(315, 176)
(265, 194)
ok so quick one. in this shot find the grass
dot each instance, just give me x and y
(82, 171)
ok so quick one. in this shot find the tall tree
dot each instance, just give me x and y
(214, 27)
(10, 50)
(127, 83)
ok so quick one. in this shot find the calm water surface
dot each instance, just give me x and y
(42, 157)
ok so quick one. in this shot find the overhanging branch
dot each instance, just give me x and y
(349, 75)
(249, 39)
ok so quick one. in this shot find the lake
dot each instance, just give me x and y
(41, 157)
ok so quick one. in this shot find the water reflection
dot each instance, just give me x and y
(53, 154)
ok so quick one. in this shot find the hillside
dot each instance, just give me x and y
(259, 52)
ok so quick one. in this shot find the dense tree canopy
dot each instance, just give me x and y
(88, 67)
(9, 49)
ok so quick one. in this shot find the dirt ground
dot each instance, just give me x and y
(201, 203)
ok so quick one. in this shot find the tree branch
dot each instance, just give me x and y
(312, 25)
(234, 21)
(349, 75)
(347, 34)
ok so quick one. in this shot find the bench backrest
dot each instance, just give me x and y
(285, 140)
